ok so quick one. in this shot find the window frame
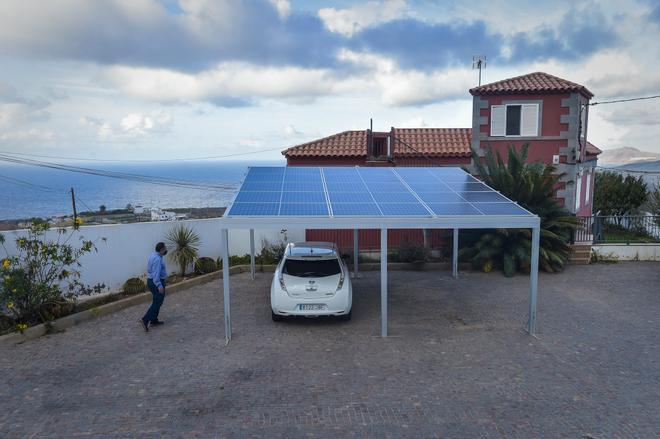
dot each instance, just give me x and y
(506, 110)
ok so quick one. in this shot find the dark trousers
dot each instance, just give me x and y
(152, 312)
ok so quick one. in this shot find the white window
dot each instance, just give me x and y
(513, 120)
(587, 191)
(578, 191)
(583, 121)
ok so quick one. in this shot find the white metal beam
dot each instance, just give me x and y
(454, 260)
(383, 282)
(356, 263)
(534, 279)
(224, 243)
(252, 264)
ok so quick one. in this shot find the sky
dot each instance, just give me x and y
(146, 79)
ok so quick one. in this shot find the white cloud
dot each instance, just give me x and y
(283, 7)
(32, 134)
(291, 131)
(141, 124)
(102, 128)
(351, 20)
(227, 83)
(416, 122)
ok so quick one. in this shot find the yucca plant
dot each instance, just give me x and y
(184, 247)
(533, 187)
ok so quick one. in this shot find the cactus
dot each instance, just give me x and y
(205, 265)
(134, 285)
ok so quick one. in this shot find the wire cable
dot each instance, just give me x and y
(181, 159)
(120, 175)
(625, 100)
(27, 184)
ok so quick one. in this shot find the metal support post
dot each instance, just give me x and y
(383, 282)
(454, 261)
(224, 242)
(534, 279)
(356, 262)
(252, 265)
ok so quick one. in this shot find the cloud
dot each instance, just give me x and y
(102, 128)
(140, 124)
(351, 20)
(579, 33)
(291, 131)
(229, 84)
(416, 122)
(32, 134)
(145, 33)
(283, 7)
(641, 113)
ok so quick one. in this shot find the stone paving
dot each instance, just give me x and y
(457, 364)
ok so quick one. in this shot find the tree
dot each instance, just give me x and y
(102, 208)
(617, 195)
(185, 242)
(533, 187)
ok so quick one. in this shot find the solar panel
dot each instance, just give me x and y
(367, 192)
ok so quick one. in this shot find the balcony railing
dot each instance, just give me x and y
(601, 229)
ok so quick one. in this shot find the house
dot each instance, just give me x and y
(549, 113)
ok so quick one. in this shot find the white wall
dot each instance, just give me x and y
(124, 252)
(632, 252)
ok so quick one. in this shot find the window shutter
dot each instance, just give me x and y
(578, 191)
(530, 120)
(497, 120)
(587, 192)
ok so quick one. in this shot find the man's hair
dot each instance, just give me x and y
(160, 246)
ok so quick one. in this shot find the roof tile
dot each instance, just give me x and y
(414, 142)
(537, 82)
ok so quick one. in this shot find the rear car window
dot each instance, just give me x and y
(311, 267)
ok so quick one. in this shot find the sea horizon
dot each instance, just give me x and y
(30, 191)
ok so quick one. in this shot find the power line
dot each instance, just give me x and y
(27, 184)
(625, 100)
(119, 175)
(181, 159)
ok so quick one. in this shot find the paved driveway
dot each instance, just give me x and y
(458, 364)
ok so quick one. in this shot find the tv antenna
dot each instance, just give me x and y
(479, 62)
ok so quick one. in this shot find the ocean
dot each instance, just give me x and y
(51, 196)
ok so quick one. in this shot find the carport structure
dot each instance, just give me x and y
(372, 198)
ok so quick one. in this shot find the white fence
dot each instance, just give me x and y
(123, 249)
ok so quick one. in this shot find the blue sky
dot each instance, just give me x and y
(136, 79)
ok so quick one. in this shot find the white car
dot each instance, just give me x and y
(311, 280)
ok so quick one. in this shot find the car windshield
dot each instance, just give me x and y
(311, 267)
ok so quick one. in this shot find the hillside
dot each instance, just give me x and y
(626, 155)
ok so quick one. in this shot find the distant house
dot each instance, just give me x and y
(549, 113)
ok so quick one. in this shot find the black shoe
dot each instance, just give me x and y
(156, 322)
(145, 325)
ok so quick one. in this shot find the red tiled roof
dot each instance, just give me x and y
(593, 149)
(433, 142)
(537, 82)
(345, 144)
(430, 142)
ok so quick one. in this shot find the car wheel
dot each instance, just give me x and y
(346, 317)
(276, 318)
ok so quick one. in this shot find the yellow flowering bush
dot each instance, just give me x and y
(41, 279)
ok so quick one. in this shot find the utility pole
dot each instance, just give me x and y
(73, 201)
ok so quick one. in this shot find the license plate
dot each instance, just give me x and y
(308, 307)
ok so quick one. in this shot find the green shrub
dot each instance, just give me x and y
(41, 280)
(134, 285)
(410, 251)
(205, 265)
(186, 246)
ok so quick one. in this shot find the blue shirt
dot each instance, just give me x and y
(156, 268)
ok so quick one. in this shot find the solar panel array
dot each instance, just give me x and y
(367, 192)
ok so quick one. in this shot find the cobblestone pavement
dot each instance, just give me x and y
(457, 364)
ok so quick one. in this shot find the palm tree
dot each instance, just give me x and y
(185, 243)
(533, 187)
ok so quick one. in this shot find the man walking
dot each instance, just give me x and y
(157, 273)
